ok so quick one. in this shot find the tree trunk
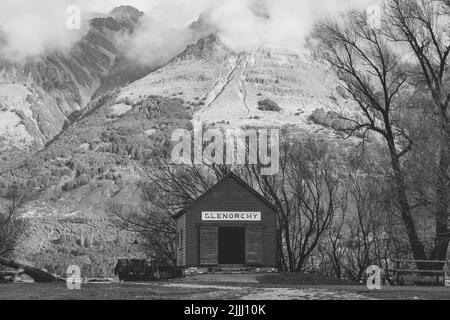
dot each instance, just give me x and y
(417, 247)
(442, 238)
(37, 274)
(287, 239)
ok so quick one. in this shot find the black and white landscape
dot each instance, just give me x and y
(354, 97)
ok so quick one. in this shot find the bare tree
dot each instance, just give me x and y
(424, 26)
(167, 189)
(12, 226)
(366, 234)
(332, 249)
(373, 230)
(379, 80)
(306, 193)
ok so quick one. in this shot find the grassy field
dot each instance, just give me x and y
(110, 291)
(408, 293)
(190, 290)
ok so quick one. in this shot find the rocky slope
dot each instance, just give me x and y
(228, 88)
(96, 162)
(42, 95)
(98, 158)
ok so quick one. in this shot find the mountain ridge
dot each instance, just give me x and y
(226, 88)
(40, 96)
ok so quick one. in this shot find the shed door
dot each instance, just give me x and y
(232, 246)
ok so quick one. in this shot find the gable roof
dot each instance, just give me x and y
(228, 176)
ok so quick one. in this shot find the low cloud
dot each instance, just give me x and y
(164, 32)
(155, 42)
(31, 28)
(241, 24)
(34, 27)
(247, 24)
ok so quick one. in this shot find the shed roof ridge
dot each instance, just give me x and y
(236, 178)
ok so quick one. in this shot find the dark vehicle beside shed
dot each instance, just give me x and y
(143, 270)
(136, 270)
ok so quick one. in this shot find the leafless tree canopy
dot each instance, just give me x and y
(393, 74)
(12, 227)
(307, 193)
(168, 189)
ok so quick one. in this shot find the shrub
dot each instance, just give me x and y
(83, 180)
(268, 105)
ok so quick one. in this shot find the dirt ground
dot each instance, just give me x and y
(167, 291)
(214, 287)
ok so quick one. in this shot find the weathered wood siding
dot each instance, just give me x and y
(254, 245)
(181, 250)
(209, 237)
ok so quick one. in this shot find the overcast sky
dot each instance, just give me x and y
(108, 5)
(33, 27)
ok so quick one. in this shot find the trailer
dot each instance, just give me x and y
(143, 270)
(136, 270)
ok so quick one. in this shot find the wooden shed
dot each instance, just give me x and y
(230, 225)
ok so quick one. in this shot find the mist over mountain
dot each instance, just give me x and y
(35, 27)
(241, 25)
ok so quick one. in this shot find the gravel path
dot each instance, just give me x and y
(302, 294)
(252, 293)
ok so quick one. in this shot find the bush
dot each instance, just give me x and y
(83, 180)
(69, 186)
(268, 105)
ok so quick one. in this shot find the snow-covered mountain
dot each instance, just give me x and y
(267, 86)
(41, 95)
(117, 129)
(229, 88)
